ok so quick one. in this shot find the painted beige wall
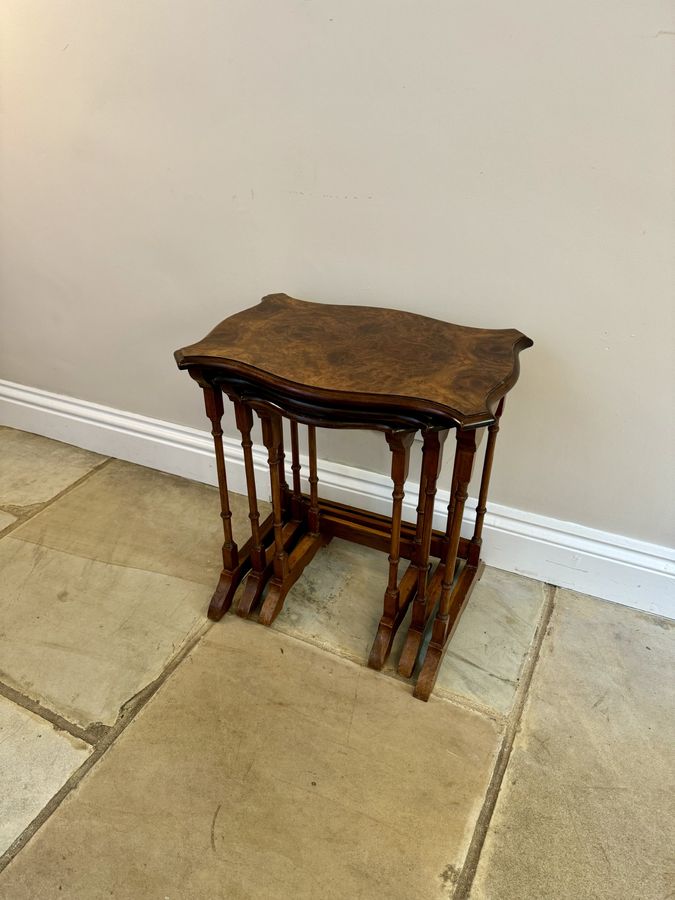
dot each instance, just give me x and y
(166, 163)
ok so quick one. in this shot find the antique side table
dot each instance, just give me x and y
(356, 367)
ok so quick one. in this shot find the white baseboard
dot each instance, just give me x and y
(610, 566)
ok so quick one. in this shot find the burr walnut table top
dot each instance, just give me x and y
(365, 356)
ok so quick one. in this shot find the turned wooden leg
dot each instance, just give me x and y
(288, 566)
(419, 522)
(273, 441)
(285, 490)
(431, 463)
(296, 501)
(260, 570)
(450, 605)
(232, 571)
(481, 509)
(399, 444)
(451, 507)
(244, 419)
(313, 512)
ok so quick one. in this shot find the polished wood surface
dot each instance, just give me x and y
(365, 356)
(361, 367)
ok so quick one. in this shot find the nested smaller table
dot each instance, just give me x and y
(339, 366)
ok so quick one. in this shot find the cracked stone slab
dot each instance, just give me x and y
(35, 762)
(104, 586)
(6, 519)
(264, 767)
(132, 516)
(587, 806)
(35, 469)
(82, 637)
(337, 604)
(486, 654)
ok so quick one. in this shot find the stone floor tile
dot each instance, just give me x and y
(337, 604)
(35, 469)
(83, 636)
(587, 806)
(265, 767)
(487, 652)
(35, 761)
(104, 585)
(132, 516)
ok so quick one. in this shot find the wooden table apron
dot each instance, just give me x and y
(442, 567)
(339, 366)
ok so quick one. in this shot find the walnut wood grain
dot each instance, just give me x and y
(364, 357)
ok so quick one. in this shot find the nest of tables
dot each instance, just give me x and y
(339, 366)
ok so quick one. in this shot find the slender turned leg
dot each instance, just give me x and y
(313, 482)
(285, 491)
(244, 419)
(431, 463)
(296, 502)
(273, 441)
(213, 399)
(230, 576)
(444, 621)
(259, 569)
(417, 540)
(481, 509)
(399, 444)
(288, 567)
(451, 506)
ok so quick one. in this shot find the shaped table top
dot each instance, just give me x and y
(366, 356)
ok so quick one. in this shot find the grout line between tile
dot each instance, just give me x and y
(90, 735)
(116, 565)
(467, 703)
(468, 871)
(37, 508)
(128, 713)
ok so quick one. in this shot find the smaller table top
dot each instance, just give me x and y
(367, 356)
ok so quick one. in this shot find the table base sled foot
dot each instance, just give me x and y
(411, 649)
(389, 623)
(301, 556)
(415, 636)
(224, 593)
(386, 632)
(258, 577)
(433, 658)
(427, 677)
(253, 589)
(274, 601)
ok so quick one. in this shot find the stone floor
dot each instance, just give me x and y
(147, 752)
